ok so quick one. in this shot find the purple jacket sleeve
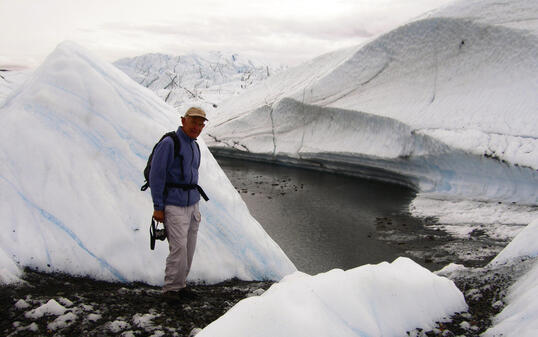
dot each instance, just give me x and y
(162, 158)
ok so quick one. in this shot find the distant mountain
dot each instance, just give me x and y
(204, 79)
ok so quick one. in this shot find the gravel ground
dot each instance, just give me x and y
(484, 290)
(85, 307)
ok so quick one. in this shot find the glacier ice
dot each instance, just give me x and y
(445, 104)
(202, 79)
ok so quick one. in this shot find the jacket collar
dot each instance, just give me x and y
(183, 135)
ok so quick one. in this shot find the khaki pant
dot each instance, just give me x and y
(181, 231)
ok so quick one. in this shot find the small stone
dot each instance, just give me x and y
(497, 305)
(465, 325)
(22, 304)
(194, 332)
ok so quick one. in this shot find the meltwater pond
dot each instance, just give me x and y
(324, 221)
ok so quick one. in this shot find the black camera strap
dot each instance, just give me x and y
(153, 230)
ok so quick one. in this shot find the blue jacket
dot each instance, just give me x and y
(165, 168)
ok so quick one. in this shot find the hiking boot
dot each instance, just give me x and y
(176, 296)
(171, 296)
(188, 294)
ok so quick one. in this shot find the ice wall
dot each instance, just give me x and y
(371, 146)
(446, 103)
(76, 137)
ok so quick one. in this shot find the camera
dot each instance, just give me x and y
(160, 234)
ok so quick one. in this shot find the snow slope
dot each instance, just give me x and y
(371, 300)
(446, 103)
(203, 79)
(520, 316)
(523, 245)
(76, 137)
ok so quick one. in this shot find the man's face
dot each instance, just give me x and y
(192, 126)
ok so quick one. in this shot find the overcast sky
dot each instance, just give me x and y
(282, 31)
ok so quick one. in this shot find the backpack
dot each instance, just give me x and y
(177, 147)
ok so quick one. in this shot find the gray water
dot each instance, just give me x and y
(321, 220)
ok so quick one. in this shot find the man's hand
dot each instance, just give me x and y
(158, 216)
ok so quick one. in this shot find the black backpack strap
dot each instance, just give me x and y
(177, 143)
(199, 153)
(187, 187)
(177, 148)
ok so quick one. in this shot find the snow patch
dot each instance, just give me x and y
(500, 221)
(94, 317)
(62, 321)
(10, 272)
(522, 246)
(118, 325)
(144, 321)
(50, 308)
(22, 304)
(450, 269)
(372, 300)
(66, 302)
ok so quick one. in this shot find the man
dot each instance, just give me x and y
(176, 194)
